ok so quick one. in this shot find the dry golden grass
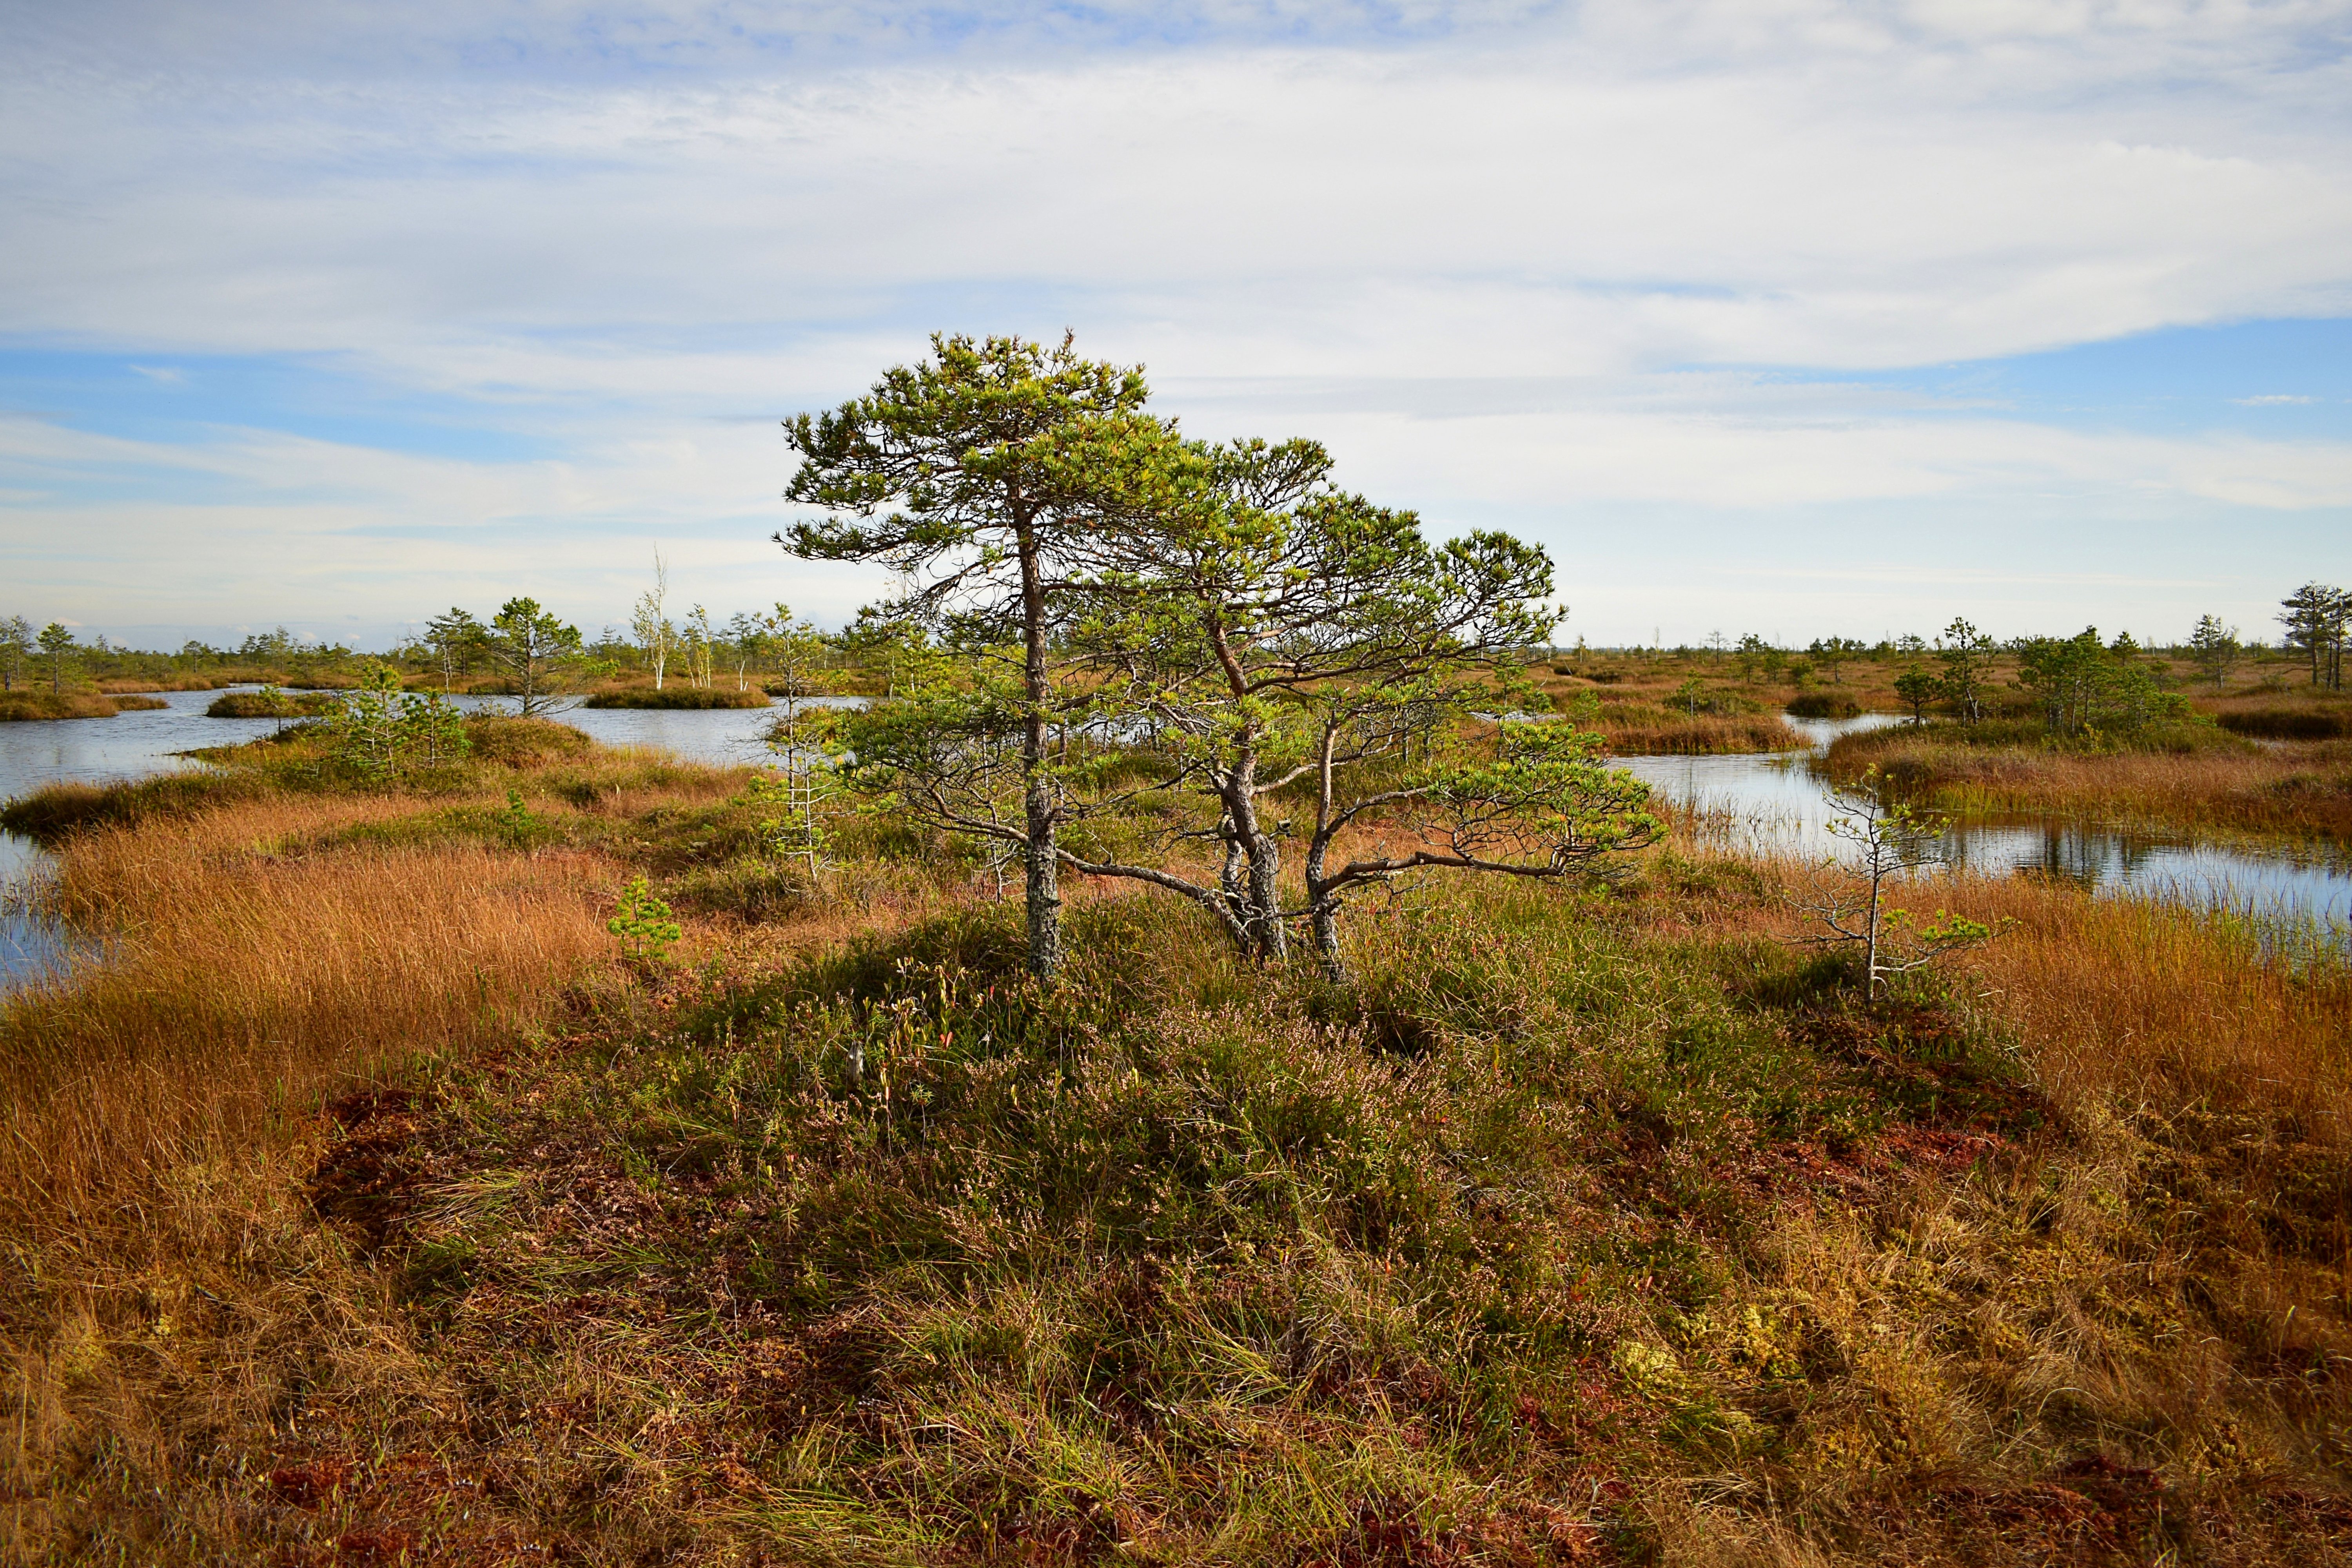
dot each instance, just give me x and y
(1638, 732)
(268, 981)
(2123, 1004)
(173, 1294)
(2133, 1004)
(2301, 788)
(158, 1113)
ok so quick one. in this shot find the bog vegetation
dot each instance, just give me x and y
(1211, 1065)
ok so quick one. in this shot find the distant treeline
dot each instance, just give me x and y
(769, 650)
(521, 645)
(2316, 621)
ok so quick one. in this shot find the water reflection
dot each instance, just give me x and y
(1777, 804)
(727, 737)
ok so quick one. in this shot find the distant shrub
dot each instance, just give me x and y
(1823, 705)
(2288, 723)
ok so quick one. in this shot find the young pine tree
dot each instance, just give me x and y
(944, 472)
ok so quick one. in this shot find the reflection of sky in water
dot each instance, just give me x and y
(1776, 805)
(136, 744)
(729, 737)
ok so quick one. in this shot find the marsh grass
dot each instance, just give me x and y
(255, 705)
(31, 706)
(2207, 781)
(679, 697)
(1648, 730)
(118, 685)
(1587, 1226)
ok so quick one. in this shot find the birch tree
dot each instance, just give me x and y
(15, 647)
(649, 622)
(1966, 656)
(1888, 843)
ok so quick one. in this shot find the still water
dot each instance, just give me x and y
(1778, 804)
(1772, 804)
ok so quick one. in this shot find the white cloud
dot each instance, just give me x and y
(1440, 211)
(648, 234)
(2270, 398)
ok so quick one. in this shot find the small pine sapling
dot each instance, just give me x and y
(367, 732)
(645, 925)
(1918, 687)
(280, 708)
(431, 732)
(516, 823)
(1891, 840)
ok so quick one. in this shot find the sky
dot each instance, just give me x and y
(1795, 317)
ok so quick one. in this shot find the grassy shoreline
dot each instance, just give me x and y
(41, 707)
(373, 1205)
(2210, 783)
(682, 697)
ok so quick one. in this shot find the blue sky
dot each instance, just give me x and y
(1797, 316)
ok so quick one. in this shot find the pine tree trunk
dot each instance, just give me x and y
(1326, 943)
(1044, 871)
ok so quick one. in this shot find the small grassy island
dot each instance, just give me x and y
(20, 707)
(683, 697)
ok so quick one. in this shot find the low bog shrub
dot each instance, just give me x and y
(2288, 723)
